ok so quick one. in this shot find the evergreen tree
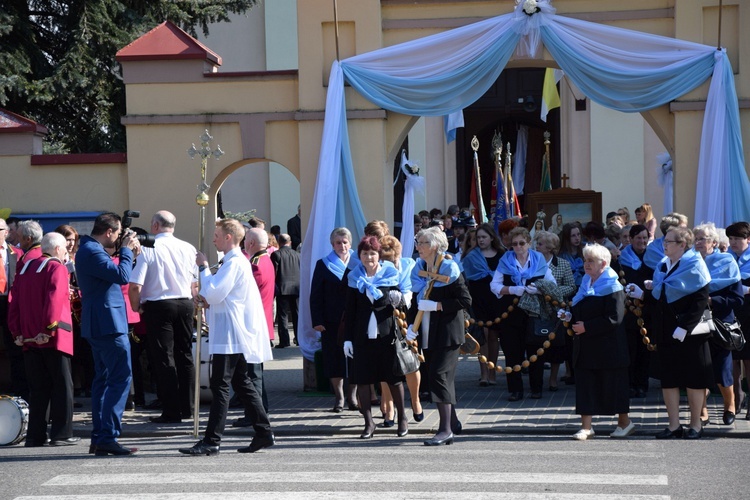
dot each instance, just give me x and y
(58, 68)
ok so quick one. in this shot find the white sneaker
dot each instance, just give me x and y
(621, 433)
(583, 434)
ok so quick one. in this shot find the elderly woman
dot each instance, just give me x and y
(680, 289)
(328, 291)
(391, 252)
(441, 330)
(739, 248)
(548, 244)
(479, 267)
(515, 275)
(600, 352)
(370, 326)
(724, 296)
(635, 271)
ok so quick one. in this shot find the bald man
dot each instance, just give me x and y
(161, 288)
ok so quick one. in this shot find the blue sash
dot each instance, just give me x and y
(654, 253)
(404, 274)
(689, 276)
(605, 284)
(419, 284)
(336, 265)
(509, 265)
(475, 265)
(576, 266)
(723, 269)
(386, 276)
(629, 258)
(744, 262)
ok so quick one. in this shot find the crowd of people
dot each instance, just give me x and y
(615, 304)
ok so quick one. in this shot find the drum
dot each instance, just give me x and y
(14, 420)
(205, 370)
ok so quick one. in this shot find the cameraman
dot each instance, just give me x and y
(161, 286)
(104, 324)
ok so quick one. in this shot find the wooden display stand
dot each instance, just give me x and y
(572, 204)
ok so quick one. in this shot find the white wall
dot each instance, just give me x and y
(284, 188)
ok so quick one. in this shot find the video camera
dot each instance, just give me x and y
(145, 238)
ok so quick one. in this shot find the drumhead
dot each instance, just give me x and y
(14, 417)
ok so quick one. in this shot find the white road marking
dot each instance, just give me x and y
(349, 495)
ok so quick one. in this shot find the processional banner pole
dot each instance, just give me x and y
(204, 153)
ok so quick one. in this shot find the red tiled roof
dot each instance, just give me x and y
(166, 42)
(13, 123)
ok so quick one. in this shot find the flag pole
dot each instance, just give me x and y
(477, 173)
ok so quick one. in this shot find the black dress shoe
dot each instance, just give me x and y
(437, 442)
(667, 434)
(92, 449)
(418, 417)
(337, 409)
(281, 346)
(553, 388)
(258, 443)
(515, 396)
(402, 432)
(692, 433)
(65, 442)
(728, 417)
(389, 423)
(113, 448)
(457, 428)
(200, 448)
(705, 422)
(161, 419)
(536, 395)
(353, 406)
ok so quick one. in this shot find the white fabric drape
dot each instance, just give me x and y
(414, 183)
(665, 178)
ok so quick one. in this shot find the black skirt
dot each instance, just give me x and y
(484, 303)
(334, 361)
(602, 392)
(686, 364)
(373, 361)
(442, 363)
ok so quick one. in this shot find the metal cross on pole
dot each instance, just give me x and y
(204, 153)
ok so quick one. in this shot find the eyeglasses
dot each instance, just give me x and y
(421, 243)
(670, 241)
(518, 244)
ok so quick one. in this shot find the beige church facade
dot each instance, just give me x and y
(273, 115)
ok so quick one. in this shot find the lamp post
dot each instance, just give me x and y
(204, 153)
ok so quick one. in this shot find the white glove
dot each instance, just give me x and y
(634, 291)
(648, 285)
(348, 349)
(531, 289)
(410, 333)
(564, 315)
(679, 334)
(395, 297)
(427, 305)
(745, 289)
(517, 290)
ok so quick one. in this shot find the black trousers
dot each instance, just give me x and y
(169, 327)
(255, 372)
(513, 344)
(286, 309)
(226, 369)
(51, 384)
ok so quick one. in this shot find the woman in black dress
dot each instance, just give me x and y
(327, 299)
(680, 291)
(441, 331)
(370, 326)
(479, 266)
(739, 248)
(600, 350)
(635, 271)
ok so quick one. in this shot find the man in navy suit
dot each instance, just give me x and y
(104, 325)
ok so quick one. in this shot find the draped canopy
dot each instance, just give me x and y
(437, 75)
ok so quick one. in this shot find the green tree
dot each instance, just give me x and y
(57, 61)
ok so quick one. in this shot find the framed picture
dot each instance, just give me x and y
(571, 204)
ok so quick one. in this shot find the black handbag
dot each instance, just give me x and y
(406, 360)
(728, 335)
(538, 329)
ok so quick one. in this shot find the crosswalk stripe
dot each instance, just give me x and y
(354, 477)
(327, 495)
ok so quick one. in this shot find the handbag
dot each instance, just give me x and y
(706, 325)
(406, 360)
(538, 329)
(728, 335)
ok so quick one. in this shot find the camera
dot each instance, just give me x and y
(145, 238)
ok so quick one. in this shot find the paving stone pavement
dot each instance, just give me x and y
(482, 410)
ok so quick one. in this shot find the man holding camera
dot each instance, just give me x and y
(162, 286)
(104, 324)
